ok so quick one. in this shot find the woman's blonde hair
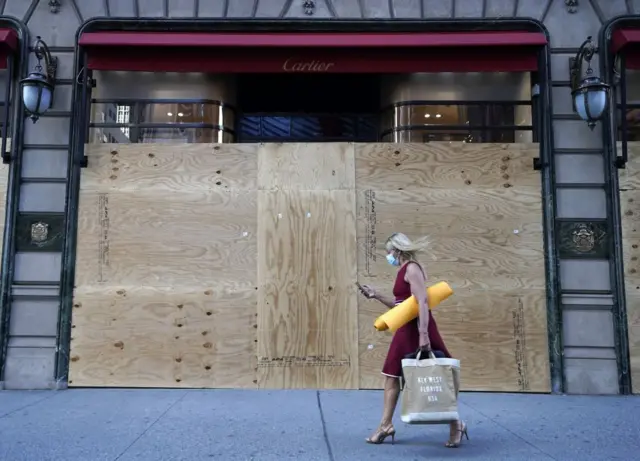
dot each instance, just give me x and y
(407, 248)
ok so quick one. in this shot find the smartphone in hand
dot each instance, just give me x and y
(362, 290)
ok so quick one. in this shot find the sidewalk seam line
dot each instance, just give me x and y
(48, 397)
(511, 432)
(324, 428)
(150, 426)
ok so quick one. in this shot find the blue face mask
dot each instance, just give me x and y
(392, 260)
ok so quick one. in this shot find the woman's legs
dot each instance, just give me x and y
(456, 430)
(391, 394)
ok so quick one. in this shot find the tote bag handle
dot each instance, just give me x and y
(431, 355)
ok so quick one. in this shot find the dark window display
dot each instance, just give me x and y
(308, 128)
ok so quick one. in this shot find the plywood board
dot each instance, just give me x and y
(170, 167)
(166, 267)
(307, 301)
(166, 238)
(445, 165)
(306, 166)
(164, 336)
(481, 206)
(234, 265)
(629, 180)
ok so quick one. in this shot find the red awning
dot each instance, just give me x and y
(8, 45)
(624, 37)
(627, 42)
(313, 52)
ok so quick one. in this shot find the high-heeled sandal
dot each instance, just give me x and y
(381, 434)
(462, 432)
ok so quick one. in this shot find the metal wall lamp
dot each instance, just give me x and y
(37, 88)
(589, 94)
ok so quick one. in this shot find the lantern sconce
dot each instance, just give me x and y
(37, 88)
(589, 94)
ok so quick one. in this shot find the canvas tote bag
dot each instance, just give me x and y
(430, 393)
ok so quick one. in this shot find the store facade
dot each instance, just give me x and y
(159, 230)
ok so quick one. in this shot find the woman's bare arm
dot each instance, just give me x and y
(389, 302)
(372, 293)
(417, 281)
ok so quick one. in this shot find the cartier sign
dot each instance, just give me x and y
(302, 65)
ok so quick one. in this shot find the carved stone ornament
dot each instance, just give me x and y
(54, 6)
(584, 238)
(39, 232)
(572, 6)
(309, 7)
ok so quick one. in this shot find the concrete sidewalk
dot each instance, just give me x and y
(176, 425)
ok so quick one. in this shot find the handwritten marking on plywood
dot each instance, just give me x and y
(166, 268)
(459, 196)
(629, 181)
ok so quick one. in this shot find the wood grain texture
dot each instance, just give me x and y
(234, 265)
(444, 165)
(164, 337)
(166, 238)
(481, 206)
(166, 267)
(306, 166)
(629, 182)
(170, 167)
(307, 301)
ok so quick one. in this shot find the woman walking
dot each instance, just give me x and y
(421, 332)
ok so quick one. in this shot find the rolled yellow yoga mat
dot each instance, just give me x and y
(408, 309)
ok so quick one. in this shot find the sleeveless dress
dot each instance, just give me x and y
(406, 339)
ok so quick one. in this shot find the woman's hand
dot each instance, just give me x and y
(425, 344)
(372, 293)
(367, 291)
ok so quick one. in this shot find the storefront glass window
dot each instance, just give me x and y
(158, 121)
(146, 108)
(5, 125)
(424, 121)
(119, 121)
(628, 111)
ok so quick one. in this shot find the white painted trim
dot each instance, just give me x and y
(424, 363)
(391, 376)
(444, 417)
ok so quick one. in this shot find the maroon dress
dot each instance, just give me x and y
(406, 339)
